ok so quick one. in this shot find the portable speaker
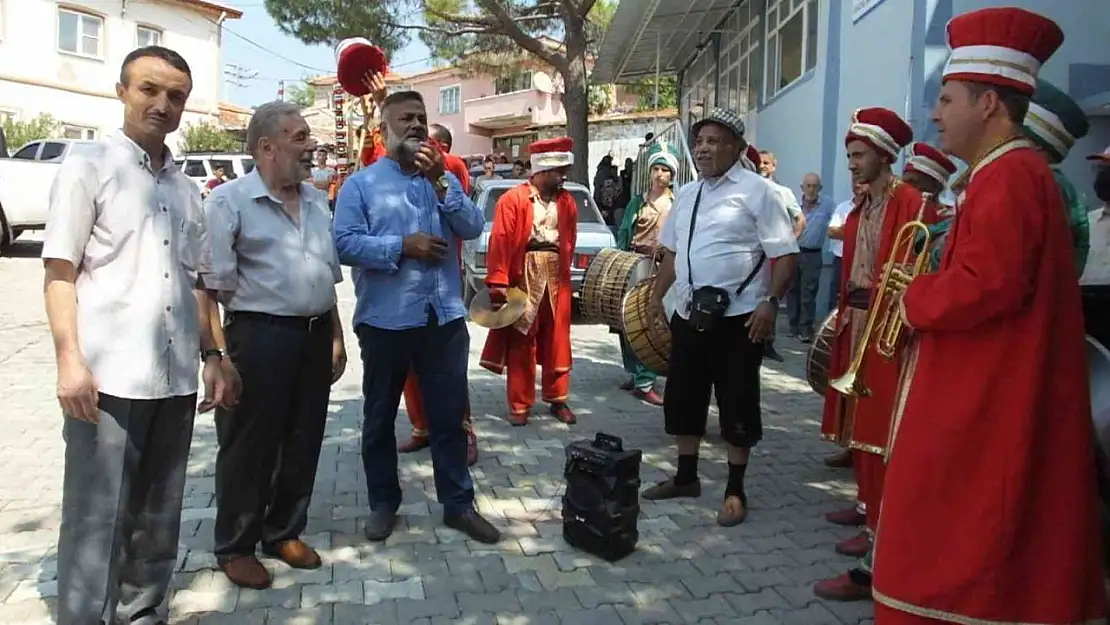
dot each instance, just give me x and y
(601, 506)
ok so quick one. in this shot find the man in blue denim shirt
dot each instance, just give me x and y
(396, 224)
(801, 303)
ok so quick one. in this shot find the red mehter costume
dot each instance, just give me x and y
(991, 515)
(531, 247)
(414, 405)
(862, 424)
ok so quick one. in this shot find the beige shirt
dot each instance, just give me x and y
(545, 219)
(138, 241)
(1097, 270)
(263, 260)
(649, 223)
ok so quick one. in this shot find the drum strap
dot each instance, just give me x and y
(690, 241)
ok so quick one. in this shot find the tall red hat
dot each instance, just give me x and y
(1001, 46)
(551, 154)
(353, 59)
(927, 160)
(880, 128)
(752, 154)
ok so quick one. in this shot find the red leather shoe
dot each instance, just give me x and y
(563, 413)
(517, 419)
(416, 443)
(650, 396)
(849, 517)
(471, 448)
(856, 547)
(842, 588)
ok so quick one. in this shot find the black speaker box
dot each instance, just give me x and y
(601, 506)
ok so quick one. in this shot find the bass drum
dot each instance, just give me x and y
(608, 279)
(820, 355)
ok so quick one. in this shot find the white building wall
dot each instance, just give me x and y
(35, 77)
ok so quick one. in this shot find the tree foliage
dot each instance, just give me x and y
(17, 133)
(302, 94)
(328, 22)
(207, 137)
(645, 92)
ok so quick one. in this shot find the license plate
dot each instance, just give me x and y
(582, 261)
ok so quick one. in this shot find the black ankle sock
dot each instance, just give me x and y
(860, 576)
(735, 486)
(687, 470)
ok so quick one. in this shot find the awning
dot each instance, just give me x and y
(643, 31)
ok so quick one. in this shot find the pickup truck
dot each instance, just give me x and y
(26, 178)
(593, 235)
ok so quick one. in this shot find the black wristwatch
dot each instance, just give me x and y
(773, 301)
(211, 353)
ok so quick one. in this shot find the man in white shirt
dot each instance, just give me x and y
(1095, 280)
(835, 242)
(125, 245)
(729, 225)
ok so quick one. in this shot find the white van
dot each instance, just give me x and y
(199, 167)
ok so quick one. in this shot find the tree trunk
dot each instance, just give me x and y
(576, 106)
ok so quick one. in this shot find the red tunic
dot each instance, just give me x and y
(508, 244)
(863, 424)
(990, 514)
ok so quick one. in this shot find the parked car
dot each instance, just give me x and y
(505, 170)
(200, 167)
(26, 182)
(593, 235)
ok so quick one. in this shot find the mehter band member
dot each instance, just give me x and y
(531, 247)
(874, 140)
(722, 298)
(993, 442)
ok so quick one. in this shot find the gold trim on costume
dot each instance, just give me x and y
(871, 449)
(951, 617)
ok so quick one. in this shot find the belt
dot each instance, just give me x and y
(534, 246)
(810, 250)
(307, 324)
(859, 299)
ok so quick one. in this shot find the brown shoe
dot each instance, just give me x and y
(649, 396)
(849, 517)
(855, 547)
(563, 413)
(294, 553)
(246, 572)
(843, 587)
(670, 490)
(471, 448)
(416, 443)
(842, 460)
(518, 419)
(733, 512)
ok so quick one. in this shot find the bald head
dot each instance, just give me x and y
(440, 133)
(811, 187)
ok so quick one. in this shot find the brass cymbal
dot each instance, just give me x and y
(482, 313)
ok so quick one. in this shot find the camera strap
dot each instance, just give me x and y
(690, 241)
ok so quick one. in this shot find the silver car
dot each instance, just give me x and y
(593, 234)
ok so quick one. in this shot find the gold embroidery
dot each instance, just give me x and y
(541, 283)
(995, 62)
(960, 619)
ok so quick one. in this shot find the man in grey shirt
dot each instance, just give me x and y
(125, 243)
(802, 301)
(275, 269)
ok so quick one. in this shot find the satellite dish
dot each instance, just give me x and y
(542, 82)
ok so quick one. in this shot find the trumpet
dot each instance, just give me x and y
(884, 325)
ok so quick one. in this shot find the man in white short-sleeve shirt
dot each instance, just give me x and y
(721, 297)
(835, 243)
(125, 246)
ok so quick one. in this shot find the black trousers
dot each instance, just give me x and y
(270, 442)
(723, 361)
(1096, 313)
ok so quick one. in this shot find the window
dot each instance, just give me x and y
(229, 168)
(195, 169)
(248, 165)
(79, 33)
(51, 150)
(791, 41)
(27, 152)
(740, 77)
(79, 132)
(449, 100)
(520, 81)
(146, 36)
(7, 116)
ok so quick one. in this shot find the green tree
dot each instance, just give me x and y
(302, 94)
(17, 133)
(487, 36)
(207, 137)
(645, 92)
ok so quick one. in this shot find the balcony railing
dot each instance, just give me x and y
(509, 109)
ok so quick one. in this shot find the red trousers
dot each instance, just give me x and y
(414, 405)
(870, 473)
(890, 616)
(523, 352)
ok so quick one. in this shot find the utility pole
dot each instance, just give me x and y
(281, 91)
(236, 76)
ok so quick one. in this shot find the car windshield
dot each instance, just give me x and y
(586, 212)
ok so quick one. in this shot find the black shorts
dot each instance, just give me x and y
(1096, 313)
(723, 360)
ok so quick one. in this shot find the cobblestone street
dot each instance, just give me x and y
(686, 569)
